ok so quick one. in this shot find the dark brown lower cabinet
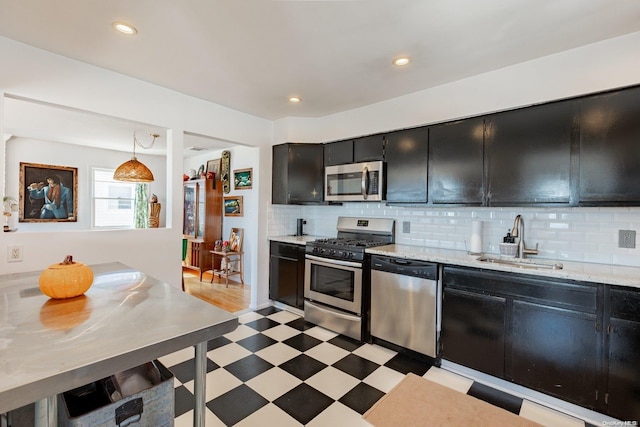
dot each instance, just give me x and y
(538, 332)
(286, 274)
(475, 330)
(623, 395)
(554, 350)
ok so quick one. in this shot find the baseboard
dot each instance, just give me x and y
(576, 411)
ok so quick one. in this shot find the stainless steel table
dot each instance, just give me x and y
(125, 319)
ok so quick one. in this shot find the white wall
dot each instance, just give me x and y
(596, 67)
(84, 159)
(32, 73)
(582, 234)
(241, 158)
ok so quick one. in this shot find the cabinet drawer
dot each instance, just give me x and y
(625, 303)
(560, 293)
(286, 250)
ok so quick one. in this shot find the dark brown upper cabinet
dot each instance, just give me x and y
(406, 156)
(338, 152)
(368, 148)
(456, 162)
(297, 174)
(528, 155)
(610, 148)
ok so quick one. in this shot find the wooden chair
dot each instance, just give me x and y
(233, 255)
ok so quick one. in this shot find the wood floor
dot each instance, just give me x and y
(232, 299)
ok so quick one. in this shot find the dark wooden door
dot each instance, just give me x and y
(610, 148)
(456, 162)
(406, 155)
(554, 350)
(473, 330)
(529, 155)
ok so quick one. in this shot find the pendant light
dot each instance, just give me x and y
(133, 170)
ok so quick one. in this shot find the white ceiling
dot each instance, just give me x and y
(251, 55)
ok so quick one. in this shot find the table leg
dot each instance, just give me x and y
(199, 384)
(46, 412)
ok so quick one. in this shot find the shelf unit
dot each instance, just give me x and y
(202, 223)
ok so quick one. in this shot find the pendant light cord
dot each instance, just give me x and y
(135, 141)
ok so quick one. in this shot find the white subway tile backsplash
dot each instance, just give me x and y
(571, 234)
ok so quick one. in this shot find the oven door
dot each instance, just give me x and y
(333, 282)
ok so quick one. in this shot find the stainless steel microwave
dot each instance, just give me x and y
(355, 182)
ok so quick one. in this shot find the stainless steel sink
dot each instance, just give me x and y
(522, 263)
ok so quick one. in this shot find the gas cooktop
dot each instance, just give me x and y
(354, 236)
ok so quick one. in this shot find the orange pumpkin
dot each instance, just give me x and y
(67, 279)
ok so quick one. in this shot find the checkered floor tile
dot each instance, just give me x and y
(276, 369)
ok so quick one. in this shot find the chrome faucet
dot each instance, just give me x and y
(518, 231)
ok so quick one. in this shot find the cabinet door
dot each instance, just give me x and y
(456, 162)
(610, 148)
(554, 351)
(286, 274)
(473, 330)
(338, 153)
(297, 174)
(306, 173)
(279, 174)
(190, 210)
(368, 148)
(406, 155)
(529, 155)
(624, 348)
(201, 216)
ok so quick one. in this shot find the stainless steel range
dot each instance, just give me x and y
(335, 289)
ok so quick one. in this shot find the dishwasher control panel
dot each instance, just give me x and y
(405, 267)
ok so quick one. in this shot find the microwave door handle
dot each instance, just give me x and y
(365, 182)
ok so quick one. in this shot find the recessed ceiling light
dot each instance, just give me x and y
(125, 28)
(403, 60)
(295, 99)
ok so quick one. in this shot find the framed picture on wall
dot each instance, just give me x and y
(243, 179)
(48, 193)
(233, 206)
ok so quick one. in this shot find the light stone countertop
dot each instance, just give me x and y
(582, 271)
(296, 240)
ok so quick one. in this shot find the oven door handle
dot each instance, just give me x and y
(327, 261)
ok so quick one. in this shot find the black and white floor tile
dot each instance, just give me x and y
(276, 369)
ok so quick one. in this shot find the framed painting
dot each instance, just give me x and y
(233, 206)
(243, 179)
(48, 193)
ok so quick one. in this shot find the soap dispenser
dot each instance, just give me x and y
(508, 238)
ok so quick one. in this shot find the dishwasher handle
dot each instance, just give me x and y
(405, 267)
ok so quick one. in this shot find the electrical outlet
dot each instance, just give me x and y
(14, 253)
(406, 227)
(627, 239)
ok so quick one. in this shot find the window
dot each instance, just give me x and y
(113, 201)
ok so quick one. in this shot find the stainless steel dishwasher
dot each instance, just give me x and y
(404, 303)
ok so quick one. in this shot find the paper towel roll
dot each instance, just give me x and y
(476, 237)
